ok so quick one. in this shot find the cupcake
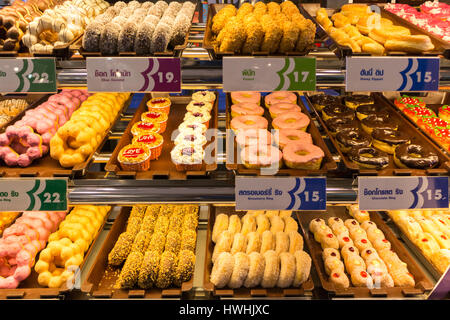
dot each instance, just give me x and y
(155, 116)
(134, 157)
(204, 96)
(141, 127)
(200, 117)
(159, 105)
(199, 105)
(153, 140)
(187, 156)
(190, 136)
(192, 125)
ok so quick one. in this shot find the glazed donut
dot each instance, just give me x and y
(315, 224)
(255, 271)
(291, 120)
(245, 97)
(415, 156)
(267, 241)
(248, 122)
(337, 111)
(340, 124)
(263, 223)
(253, 242)
(333, 264)
(373, 122)
(276, 224)
(348, 139)
(299, 155)
(281, 242)
(295, 241)
(302, 267)
(368, 157)
(280, 108)
(239, 243)
(330, 253)
(290, 224)
(222, 270)
(240, 270)
(271, 269)
(319, 101)
(280, 97)
(356, 100)
(366, 110)
(287, 270)
(220, 225)
(234, 224)
(251, 137)
(285, 136)
(246, 109)
(258, 156)
(223, 244)
(248, 224)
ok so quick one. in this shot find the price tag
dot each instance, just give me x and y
(392, 74)
(28, 75)
(442, 288)
(33, 194)
(395, 193)
(136, 74)
(280, 193)
(269, 74)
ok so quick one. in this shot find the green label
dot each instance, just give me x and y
(33, 194)
(269, 74)
(28, 75)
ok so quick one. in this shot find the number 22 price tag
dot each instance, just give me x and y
(133, 74)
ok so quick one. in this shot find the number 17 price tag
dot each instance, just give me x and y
(33, 194)
(133, 74)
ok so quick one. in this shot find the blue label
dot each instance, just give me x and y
(280, 193)
(396, 193)
(421, 74)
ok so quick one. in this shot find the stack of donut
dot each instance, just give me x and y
(261, 249)
(29, 138)
(15, 18)
(66, 247)
(289, 124)
(61, 25)
(82, 134)
(21, 242)
(144, 28)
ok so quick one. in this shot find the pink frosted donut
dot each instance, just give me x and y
(280, 97)
(279, 108)
(253, 136)
(258, 156)
(249, 122)
(299, 155)
(291, 120)
(246, 109)
(284, 136)
(246, 97)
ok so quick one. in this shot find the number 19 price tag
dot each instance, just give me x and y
(133, 74)
(27, 75)
(33, 194)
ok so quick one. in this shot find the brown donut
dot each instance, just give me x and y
(415, 156)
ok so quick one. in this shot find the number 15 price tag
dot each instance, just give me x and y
(33, 194)
(133, 74)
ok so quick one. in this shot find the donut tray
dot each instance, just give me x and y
(163, 167)
(441, 47)
(423, 284)
(403, 125)
(30, 288)
(101, 278)
(435, 107)
(328, 164)
(49, 167)
(33, 101)
(241, 293)
(209, 37)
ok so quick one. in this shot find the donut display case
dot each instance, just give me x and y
(201, 193)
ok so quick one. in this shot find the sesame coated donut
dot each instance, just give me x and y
(291, 120)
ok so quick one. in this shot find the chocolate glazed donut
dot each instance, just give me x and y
(352, 138)
(369, 157)
(387, 140)
(338, 124)
(356, 100)
(321, 100)
(366, 110)
(337, 110)
(373, 122)
(415, 156)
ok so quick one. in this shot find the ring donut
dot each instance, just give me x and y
(240, 270)
(271, 269)
(222, 270)
(287, 270)
(256, 270)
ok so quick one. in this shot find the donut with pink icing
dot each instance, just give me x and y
(258, 156)
(280, 97)
(299, 155)
(245, 97)
(249, 122)
(279, 108)
(253, 137)
(284, 136)
(291, 120)
(246, 109)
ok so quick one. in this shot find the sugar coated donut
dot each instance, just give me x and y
(220, 225)
(280, 108)
(267, 241)
(223, 244)
(299, 155)
(280, 97)
(271, 269)
(302, 267)
(281, 242)
(255, 157)
(239, 243)
(263, 223)
(287, 270)
(256, 270)
(284, 136)
(253, 137)
(240, 270)
(234, 224)
(248, 224)
(245, 97)
(222, 270)
(246, 109)
(276, 224)
(291, 120)
(249, 122)
(253, 242)
(295, 241)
